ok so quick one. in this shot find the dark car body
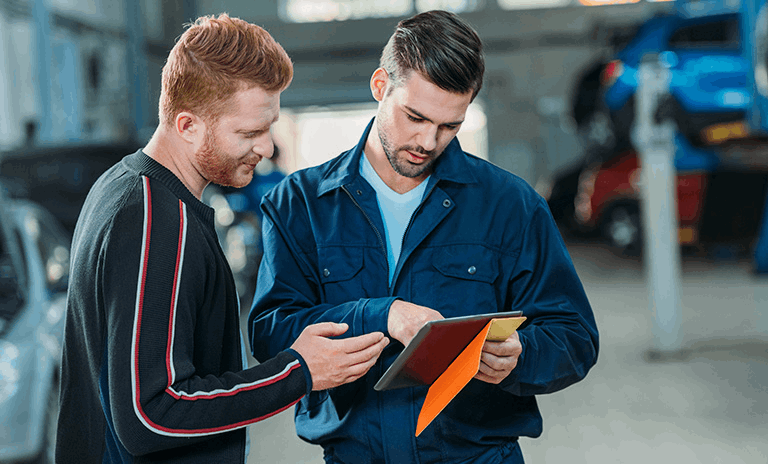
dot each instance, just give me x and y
(608, 196)
(717, 205)
(59, 177)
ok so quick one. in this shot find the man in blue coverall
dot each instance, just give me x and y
(406, 228)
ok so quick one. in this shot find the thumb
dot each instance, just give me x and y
(329, 329)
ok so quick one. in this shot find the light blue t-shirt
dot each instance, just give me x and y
(396, 210)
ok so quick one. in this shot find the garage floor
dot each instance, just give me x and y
(706, 404)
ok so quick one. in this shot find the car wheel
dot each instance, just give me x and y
(598, 134)
(622, 228)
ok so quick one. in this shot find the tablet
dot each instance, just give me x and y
(433, 349)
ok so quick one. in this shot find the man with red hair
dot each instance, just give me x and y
(153, 368)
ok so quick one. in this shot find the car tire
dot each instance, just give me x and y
(598, 135)
(621, 227)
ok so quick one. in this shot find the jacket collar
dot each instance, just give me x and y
(451, 166)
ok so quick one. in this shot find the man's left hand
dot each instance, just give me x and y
(498, 359)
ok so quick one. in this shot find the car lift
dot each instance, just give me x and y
(654, 141)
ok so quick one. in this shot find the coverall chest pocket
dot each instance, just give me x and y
(460, 281)
(339, 269)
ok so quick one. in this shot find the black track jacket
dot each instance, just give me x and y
(152, 367)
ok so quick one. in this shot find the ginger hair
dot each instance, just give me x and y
(213, 59)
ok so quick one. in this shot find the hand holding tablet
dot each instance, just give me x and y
(446, 355)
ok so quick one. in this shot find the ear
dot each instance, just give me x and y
(189, 127)
(379, 84)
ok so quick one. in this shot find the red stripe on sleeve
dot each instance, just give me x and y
(234, 391)
(174, 299)
(147, 232)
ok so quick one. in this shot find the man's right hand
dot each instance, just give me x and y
(333, 362)
(405, 320)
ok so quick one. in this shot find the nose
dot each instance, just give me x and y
(264, 147)
(428, 137)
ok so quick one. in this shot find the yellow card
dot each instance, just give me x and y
(501, 329)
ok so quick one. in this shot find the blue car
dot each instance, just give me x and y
(34, 269)
(709, 96)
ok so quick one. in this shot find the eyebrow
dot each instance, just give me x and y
(260, 128)
(456, 123)
(249, 131)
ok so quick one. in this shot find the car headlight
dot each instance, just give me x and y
(611, 73)
(9, 373)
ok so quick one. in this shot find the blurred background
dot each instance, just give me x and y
(679, 381)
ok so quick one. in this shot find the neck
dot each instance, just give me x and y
(374, 151)
(176, 155)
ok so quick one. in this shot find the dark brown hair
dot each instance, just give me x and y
(442, 47)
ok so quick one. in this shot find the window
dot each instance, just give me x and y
(606, 2)
(717, 34)
(312, 136)
(22, 273)
(9, 288)
(308, 11)
(13, 278)
(532, 4)
(304, 11)
(53, 248)
(456, 6)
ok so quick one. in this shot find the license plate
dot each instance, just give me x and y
(686, 235)
(719, 133)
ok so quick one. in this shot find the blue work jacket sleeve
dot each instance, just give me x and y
(288, 291)
(560, 341)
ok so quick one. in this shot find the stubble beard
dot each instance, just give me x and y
(404, 167)
(215, 166)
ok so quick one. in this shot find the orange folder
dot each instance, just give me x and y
(462, 370)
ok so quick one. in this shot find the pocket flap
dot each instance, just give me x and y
(337, 264)
(468, 262)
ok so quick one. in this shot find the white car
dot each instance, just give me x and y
(34, 269)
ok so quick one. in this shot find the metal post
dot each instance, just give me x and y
(137, 70)
(655, 144)
(44, 57)
(6, 88)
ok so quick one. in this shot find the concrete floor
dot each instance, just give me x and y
(706, 404)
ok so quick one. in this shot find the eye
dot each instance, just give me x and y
(250, 135)
(413, 118)
(451, 126)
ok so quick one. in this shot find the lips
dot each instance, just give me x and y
(252, 163)
(415, 156)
